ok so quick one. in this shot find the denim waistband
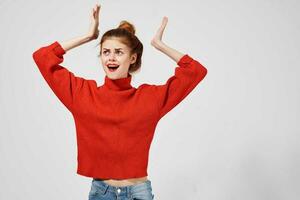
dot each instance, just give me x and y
(103, 187)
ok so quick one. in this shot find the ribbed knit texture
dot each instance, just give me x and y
(115, 122)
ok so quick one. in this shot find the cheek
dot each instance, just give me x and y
(126, 62)
(103, 61)
(125, 65)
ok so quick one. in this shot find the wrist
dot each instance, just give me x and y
(159, 45)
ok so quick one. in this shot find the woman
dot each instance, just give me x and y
(115, 122)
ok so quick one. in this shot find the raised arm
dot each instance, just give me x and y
(63, 82)
(92, 33)
(187, 75)
(161, 46)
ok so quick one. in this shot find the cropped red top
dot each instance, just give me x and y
(115, 122)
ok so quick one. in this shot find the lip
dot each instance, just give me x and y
(108, 65)
(112, 71)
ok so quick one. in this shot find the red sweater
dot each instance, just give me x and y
(115, 122)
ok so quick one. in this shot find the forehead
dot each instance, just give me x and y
(113, 44)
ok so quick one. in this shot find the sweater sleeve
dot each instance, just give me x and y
(63, 83)
(188, 74)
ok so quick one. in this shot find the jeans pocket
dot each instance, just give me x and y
(145, 194)
(143, 198)
(96, 192)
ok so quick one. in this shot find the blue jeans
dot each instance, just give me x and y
(102, 191)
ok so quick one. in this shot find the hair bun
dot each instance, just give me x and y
(128, 26)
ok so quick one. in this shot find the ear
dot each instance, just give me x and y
(133, 58)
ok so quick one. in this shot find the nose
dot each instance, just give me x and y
(111, 56)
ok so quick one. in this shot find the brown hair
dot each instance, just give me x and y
(125, 32)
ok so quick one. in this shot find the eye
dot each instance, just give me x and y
(118, 52)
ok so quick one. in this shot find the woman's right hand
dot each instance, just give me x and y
(93, 31)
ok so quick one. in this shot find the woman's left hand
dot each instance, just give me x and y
(157, 40)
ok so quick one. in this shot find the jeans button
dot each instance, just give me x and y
(119, 190)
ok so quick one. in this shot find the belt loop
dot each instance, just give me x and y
(128, 191)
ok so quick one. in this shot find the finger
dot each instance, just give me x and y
(163, 26)
(164, 22)
(165, 19)
(97, 12)
(94, 9)
(98, 9)
(93, 13)
(160, 30)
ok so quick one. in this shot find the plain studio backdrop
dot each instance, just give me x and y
(236, 136)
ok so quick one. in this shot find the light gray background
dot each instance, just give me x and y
(234, 137)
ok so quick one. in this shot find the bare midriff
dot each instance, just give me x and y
(124, 182)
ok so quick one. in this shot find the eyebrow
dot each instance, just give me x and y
(115, 48)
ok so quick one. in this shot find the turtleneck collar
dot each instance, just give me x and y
(118, 84)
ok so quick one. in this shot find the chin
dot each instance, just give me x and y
(113, 75)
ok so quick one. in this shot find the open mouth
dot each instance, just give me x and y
(113, 68)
